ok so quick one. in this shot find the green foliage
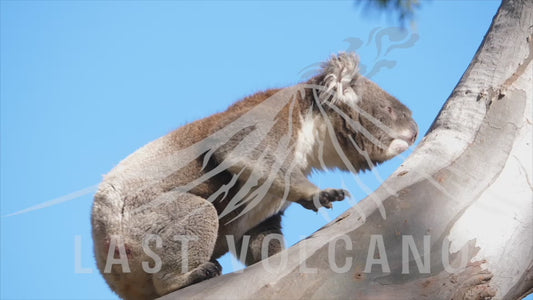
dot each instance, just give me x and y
(405, 9)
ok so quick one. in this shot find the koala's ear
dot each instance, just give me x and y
(338, 74)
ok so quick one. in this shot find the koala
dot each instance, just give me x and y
(164, 214)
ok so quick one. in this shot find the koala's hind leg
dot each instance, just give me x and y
(188, 227)
(171, 280)
(257, 243)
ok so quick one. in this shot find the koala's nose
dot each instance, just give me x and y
(410, 134)
(414, 132)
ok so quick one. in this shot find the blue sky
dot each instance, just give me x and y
(85, 83)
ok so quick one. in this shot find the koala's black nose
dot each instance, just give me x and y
(414, 132)
(410, 133)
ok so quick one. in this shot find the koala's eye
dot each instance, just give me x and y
(391, 112)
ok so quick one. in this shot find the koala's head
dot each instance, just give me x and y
(366, 119)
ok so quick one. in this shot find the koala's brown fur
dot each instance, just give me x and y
(234, 173)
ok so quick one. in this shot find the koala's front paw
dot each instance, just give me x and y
(324, 198)
(208, 270)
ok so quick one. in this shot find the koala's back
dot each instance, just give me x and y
(154, 190)
(176, 160)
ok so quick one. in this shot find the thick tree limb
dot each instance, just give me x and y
(465, 193)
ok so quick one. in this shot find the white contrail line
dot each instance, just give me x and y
(58, 200)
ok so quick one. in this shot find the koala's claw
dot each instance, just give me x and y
(218, 265)
(206, 271)
(324, 199)
(213, 269)
(329, 195)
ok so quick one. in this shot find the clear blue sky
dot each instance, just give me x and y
(85, 83)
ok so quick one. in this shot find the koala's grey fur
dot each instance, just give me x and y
(235, 172)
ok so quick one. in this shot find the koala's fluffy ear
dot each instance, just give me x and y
(339, 74)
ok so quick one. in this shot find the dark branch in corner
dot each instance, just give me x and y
(404, 9)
